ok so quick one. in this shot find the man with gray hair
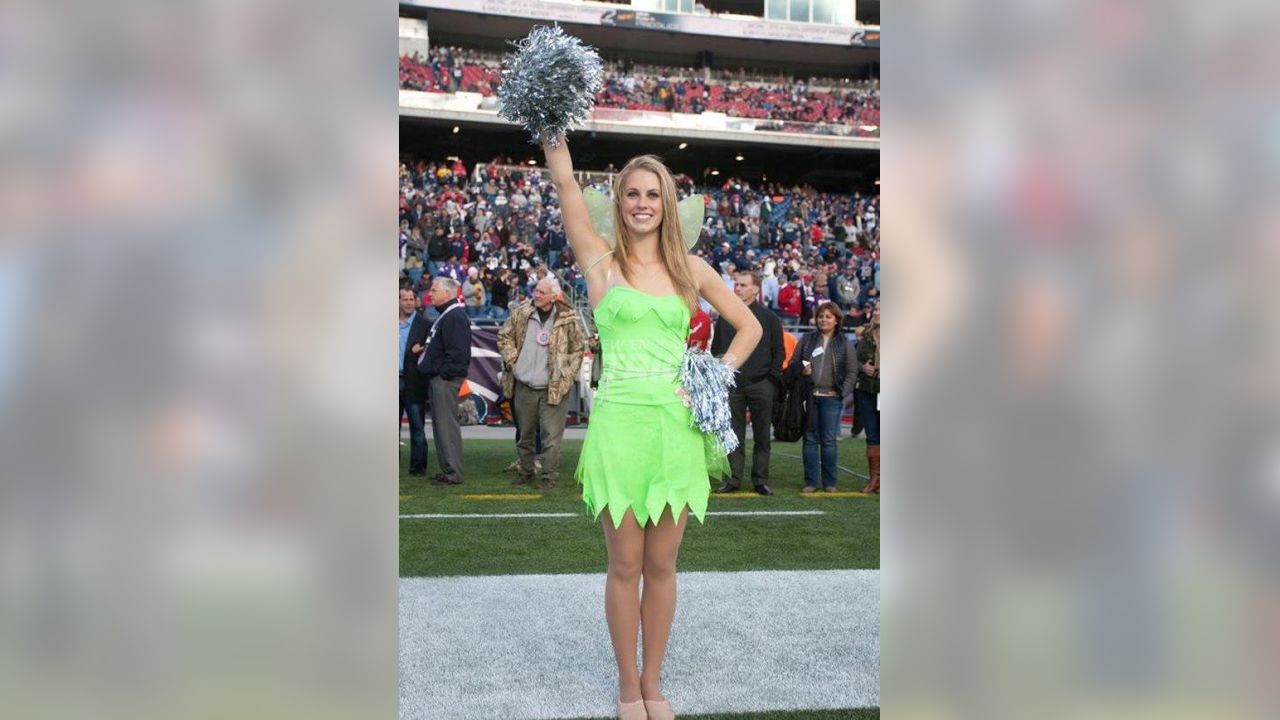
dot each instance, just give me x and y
(541, 346)
(444, 363)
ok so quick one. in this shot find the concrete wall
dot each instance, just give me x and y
(414, 37)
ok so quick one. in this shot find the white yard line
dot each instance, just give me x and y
(469, 516)
(455, 516)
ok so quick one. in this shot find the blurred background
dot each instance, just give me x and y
(197, 507)
(1080, 503)
(1080, 467)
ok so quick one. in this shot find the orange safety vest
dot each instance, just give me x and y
(788, 347)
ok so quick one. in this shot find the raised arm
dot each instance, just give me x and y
(582, 237)
(733, 310)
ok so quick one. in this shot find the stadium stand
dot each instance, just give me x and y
(672, 89)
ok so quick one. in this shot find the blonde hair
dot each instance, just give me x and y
(671, 248)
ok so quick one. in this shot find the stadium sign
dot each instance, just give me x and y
(608, 15)
(865, 37)
(639, 19)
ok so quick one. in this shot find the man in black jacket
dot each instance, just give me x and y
(444, 363)
(437, 250)
(413, 386)
(757, 385)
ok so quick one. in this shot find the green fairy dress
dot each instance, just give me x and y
(642, 451)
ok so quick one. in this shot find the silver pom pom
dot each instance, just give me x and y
(550, 83)
(706, 382)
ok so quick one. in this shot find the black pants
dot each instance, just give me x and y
(758, 398)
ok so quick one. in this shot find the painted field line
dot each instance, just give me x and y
(755, 496)
(747, 495)
(841, 468)
(766, 512)
(455, 516)
(843, 493)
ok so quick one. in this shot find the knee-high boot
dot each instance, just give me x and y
(873, 465)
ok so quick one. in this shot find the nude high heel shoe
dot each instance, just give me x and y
(632, 710)
(659, 710)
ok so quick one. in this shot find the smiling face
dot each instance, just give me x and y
(641, 203)
(544, 295)
(408, 303)
(826, 321)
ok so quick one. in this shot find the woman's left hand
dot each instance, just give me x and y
(868, 368)
(684, 396)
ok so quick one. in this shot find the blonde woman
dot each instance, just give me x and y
(643, 468)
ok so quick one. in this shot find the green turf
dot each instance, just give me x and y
(847, 536)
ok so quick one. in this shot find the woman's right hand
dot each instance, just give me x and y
(558, 160)
(807, 369)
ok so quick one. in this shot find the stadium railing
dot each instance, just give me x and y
(712, 76)
(584, 177)
(474, 103)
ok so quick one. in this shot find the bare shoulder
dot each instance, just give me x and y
(697, 262)
(701, 269)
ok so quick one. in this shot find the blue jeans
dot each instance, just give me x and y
(824, 428)
(417, 435)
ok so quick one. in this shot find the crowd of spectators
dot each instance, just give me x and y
(853, 108)
(496, 229)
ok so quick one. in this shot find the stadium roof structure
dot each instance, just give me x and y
(669, 37)
(832, 156)
(826, 167)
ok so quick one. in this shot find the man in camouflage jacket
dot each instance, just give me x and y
(542, 347)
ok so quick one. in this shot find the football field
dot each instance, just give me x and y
(501, 598)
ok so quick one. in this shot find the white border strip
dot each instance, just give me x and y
(454, 516)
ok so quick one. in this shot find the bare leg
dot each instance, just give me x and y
(658, 605)
(622, 598)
